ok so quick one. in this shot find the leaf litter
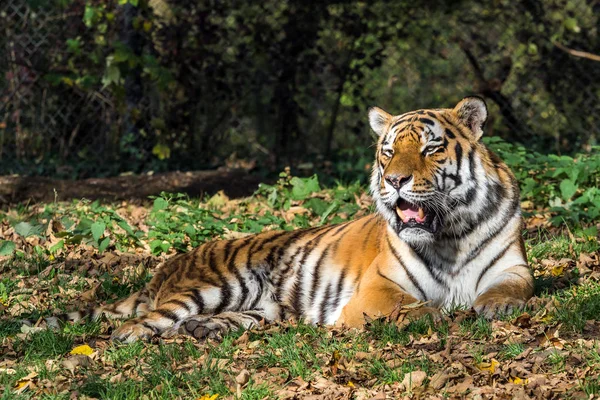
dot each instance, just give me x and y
(58, 263)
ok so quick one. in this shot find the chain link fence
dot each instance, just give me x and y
(94, 88)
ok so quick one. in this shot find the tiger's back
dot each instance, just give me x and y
(305, 273)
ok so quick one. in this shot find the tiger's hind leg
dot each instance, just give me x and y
(165, 317)
(215, 326)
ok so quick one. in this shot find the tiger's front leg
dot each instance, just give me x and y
(514, 288)
(378, 296)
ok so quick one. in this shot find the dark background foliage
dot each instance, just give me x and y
(97, 88)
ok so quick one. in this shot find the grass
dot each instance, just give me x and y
(43, 276)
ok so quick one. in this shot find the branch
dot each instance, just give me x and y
(577, 53)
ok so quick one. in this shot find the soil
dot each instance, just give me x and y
(234, 182)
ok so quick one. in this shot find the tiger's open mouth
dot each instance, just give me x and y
(411, 215)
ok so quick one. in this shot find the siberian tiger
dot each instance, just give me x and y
(446, 231)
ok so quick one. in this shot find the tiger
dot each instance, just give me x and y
(446, 232)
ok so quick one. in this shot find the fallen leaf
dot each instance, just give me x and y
(243, 377)
(489, 366)
(518, 381)
(83, 349)
(413, 379)
(208, 397)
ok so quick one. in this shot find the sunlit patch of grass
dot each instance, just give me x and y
(388, 333)
(478, 353)
(96, 387)
(557, 360)
(590, 386)
(547, 245)
(256, 392)
(47, 343)
(477, 328)
(84, 329)
(292, 348)
(577, 305)
(122, 353)
(395, 370)
(511, 350)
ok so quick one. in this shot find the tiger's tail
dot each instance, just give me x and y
(136, 304)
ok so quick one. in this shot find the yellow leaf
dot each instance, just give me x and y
(208, 397)
(350, 384)
(20, 384)
(518, 381)
(83, 349)
(489, 366)
(557, 270)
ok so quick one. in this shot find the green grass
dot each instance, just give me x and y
(511, 350)
(188, 369)
(44, 344)
(477, 328)
(578, 305)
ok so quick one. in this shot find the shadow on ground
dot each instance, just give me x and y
(235, 183)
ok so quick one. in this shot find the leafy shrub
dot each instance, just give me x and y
(568, 186)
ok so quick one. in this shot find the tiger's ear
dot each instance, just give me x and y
(472, 112)
(379, 120)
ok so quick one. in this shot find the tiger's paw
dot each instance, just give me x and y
(493, 306)
(202, 328)
(404, 315)
(131, 331)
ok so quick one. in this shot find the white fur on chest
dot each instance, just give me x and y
(459, 283)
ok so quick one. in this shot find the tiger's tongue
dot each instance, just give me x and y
(407, 211)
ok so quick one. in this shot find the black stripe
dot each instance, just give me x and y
(340, 287)
(231, 323)
(208, 248)
(367, 235)
(429, 264)
(323, 312)
(459, 152)
(167, 314)
(492, 263)
(426, 121)
(408, 273)
(450, 134)
(269, 260)
(198, 300)
(259, 293)
(225, 286)
(152, 328)
(446, 120)
(256, 315)
(394, 282)
(181, 304)
(472, 161)
(317, 274)
(232, 268)
(341, 228)
(297, 235)
(310, 246)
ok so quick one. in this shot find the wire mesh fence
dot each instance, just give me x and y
(95, 88)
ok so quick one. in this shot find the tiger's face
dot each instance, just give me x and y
(424, 167)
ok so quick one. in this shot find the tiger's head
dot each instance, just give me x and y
(427, 168)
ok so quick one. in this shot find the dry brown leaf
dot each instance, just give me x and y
(413, 380)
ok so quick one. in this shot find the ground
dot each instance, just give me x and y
(61, 255)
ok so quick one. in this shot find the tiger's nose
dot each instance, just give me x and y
(397, 181)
